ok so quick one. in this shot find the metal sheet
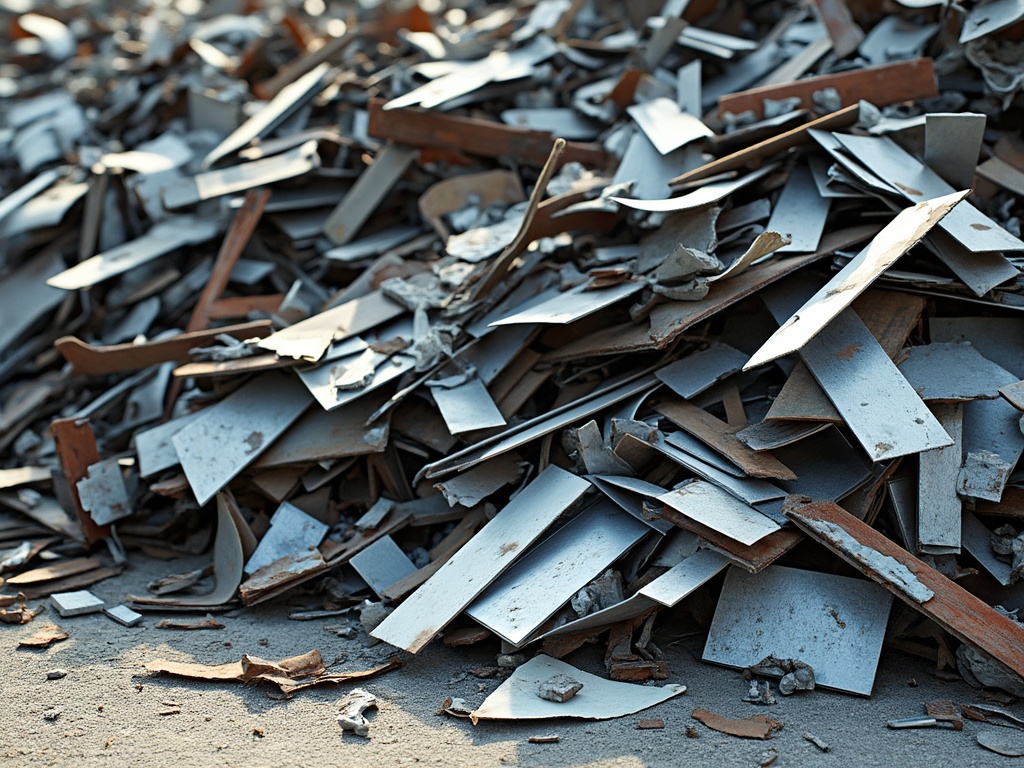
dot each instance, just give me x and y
(695, 373)
(770, 435)
(751, 490)
(162, 238)
(466, 77)
(600, 699)
(467, 407)
(471, 487)
(986, 18)
(680, 581)
(898, 237)
(833, 623)
(721, 511)
(826, 465)
(103, 493)
(650, 171)
(564, 122)
(373, 245)
(923, 588)
(382, 564)
(309, 339)
(938, 506)
(990, 426)
(952, 144)
(230, 435)
(571, 305)
(917, 182)
(800, 212)
(707, 194)
(373, 185)
(703, 452)
(976, 538)
(154, 448)
(543, 580)
(482, 560)
(238, 178)
(953, 372)
(281, 107)
(720, 436)
(872, 396)
(999, 339)
(291, 531)
(629, 493)
(320, 436)
(25, 296)
(319, 380)
(981, 272)
(666, 125)
(518, 434)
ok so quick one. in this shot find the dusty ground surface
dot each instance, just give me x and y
(109, 705)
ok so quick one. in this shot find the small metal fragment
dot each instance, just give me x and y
(817, 742)
(122, 614)
(552, 739)
(351, 718)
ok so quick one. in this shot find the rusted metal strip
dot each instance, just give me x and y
(238, 236)
(77, 451)
(235, 307)
(755, 557)
(955, 609)
(88, 360)
(771, 147)
(882, 86)
(485, 138)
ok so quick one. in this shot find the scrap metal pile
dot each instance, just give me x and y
(530, 319)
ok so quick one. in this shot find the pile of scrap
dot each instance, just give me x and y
(544, 321)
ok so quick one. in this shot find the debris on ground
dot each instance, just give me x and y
(754, 727)
(599, 699)
(289, 675)
(44, 637)
(559, 688)
(351, 718)
(823, 746)
(552, 739)
(531, 327)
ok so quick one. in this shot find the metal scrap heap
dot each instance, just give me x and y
(552, 321)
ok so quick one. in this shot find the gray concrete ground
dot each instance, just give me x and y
(109, 705)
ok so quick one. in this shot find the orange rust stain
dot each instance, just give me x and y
(847, 353)
(909, 190)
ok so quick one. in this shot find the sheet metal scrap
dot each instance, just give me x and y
(469, 288)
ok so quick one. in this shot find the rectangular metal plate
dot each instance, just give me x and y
(540, 583)
(721, 511)
(482, 560)
(230, 435)
(833, 623)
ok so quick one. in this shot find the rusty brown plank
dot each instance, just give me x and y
(239, 233)
(89, 360)
(720, 436)
(758, 153)
(951, 606)
(235, 307)
(77, 451)
(485, 138)
(753, 558)
(883, 85)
